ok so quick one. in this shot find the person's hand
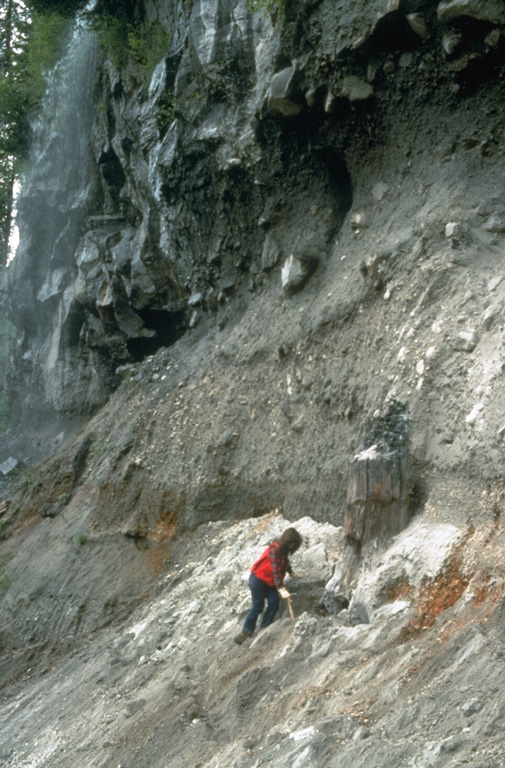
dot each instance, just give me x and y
(283, 592)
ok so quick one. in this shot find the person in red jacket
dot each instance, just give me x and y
(266, 581)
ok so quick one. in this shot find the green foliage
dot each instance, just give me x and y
(33, 34)
(30, 478)
(267, 6)
(30, 45)
(165, 116)
(63, 7)
(80, 539)
(124, 40)
(5, 582)
(112, 34)
(14, 111)
(7, 175)
(32, 39)
(120, 9)
(49, 36)
(148, 46)
(113, 21)
(14, 108)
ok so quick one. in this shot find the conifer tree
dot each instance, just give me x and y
(14, 106)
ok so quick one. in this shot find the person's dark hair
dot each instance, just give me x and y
(290, 541)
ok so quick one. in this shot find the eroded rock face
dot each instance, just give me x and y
(140, 642)
(194, 182)
(482, 10)
(219, 168)
(166, 202)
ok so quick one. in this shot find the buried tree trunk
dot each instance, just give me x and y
(377, 499)
(377, 504)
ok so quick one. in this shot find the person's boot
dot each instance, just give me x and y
(239, 639)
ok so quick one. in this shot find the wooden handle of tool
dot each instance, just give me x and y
(290, 607)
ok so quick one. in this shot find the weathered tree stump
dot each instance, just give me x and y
(377, 499)
(377, 502)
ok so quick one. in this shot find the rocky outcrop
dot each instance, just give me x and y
(482, 10)
(181, 196)
(143, 652)
(199, 172)
(263, 254)
(285, 272)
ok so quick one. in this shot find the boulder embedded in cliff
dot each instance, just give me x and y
(483, 10)
(280, 96)
(356, 89)
(271, 252)
(9, 465)
(295, 274)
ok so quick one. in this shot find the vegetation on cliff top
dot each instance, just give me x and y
(33, 34)
(30, 45)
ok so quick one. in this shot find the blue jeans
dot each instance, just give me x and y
(259, 593)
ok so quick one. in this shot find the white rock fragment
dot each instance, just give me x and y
(483, 10)
(493, 38)
(418, 25)
(451, 43)
(8, 465)
(474, 413)
(490, 315)
(467, 340)
(294, 274)
(494, 283)
(310, 97)
(356, 89)
(358, 220)
(329, 103)
(304, 733)
(418, 553)
(452, 229)
(380, 191)
(279, 96)
(406, 60)
(195, 299)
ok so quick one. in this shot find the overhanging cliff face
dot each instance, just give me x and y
(176, 196)
(179, 202)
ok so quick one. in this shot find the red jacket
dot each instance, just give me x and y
(272, 566)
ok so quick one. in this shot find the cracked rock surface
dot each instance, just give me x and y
(418, 684)
(287, 230)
